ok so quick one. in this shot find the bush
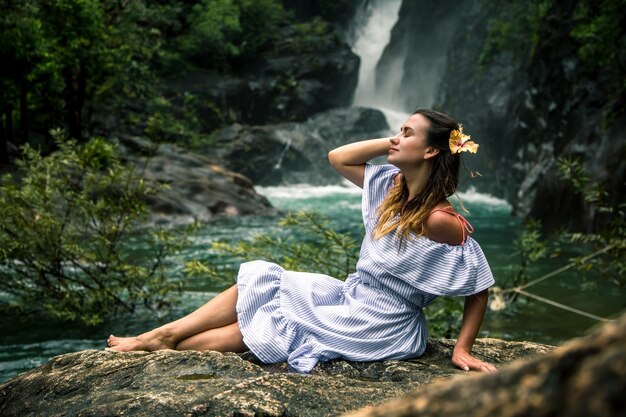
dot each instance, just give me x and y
(66, 228)
(310, 245)
(223, 32)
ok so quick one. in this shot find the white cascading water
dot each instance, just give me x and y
(375, 21)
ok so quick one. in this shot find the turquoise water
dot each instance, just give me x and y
(24, 346)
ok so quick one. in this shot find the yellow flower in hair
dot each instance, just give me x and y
(461, 143)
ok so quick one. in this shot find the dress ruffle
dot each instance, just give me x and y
(265, 329)
(376, 314)
(432, 267)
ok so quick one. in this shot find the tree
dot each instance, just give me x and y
(64, 61)
(67, 222)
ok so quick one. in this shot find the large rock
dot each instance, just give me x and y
(584, 378)
(290, 153)
(528, 108)
(196, 187)
(528, 99)
(170, 383)
(293, 83)
(410, 70)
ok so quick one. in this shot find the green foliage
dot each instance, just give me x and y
(310, 36)
(599, 31)
(181, 124)
(516, 30)
(609, 233)
(69, 59)
(530, 247)
(214, 29)
(260, 21)
(600, 34)
(225, 31)
(92, 66)
(311, 245)
(444, 317)
(573, 171)
(66, 226)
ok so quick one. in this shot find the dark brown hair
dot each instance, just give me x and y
(441, 184)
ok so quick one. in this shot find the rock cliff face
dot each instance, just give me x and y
(292, 153)
(171, 383)
(419, 41)
(530, 113)
(525, 112)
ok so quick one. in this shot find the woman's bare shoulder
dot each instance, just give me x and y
(444, 227)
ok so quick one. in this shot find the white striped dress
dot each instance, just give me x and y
(376, 314)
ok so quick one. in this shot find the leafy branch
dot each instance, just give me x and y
(67, 223)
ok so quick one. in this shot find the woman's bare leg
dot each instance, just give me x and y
(222, 339)
(217, 313)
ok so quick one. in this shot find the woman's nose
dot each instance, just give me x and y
(394, 140)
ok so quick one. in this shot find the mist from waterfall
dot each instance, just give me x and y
(372, 31)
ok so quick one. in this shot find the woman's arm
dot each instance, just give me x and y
(473, 313)
(349, 160)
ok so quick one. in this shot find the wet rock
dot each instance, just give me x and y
(196, 187)
(172, 383)
(584, 378)
(530, 109)
(291, 153)
(293, 83)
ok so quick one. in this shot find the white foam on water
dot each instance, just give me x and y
(307, 191)
(475, 197)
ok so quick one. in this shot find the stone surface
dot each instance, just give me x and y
(528, 111)
(525, 107)
(291, 153)
(197, 188)
(291, 84)
(584, 378)
(171, 383)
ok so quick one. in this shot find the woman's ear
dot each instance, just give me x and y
(430, 152)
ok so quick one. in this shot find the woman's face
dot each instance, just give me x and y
(409, 148)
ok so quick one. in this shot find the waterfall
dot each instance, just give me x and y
(372, 31)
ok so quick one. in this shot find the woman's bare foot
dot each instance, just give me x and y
(156, 339)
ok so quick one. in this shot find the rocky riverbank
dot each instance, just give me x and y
(584, 377)
(171, 383)
(194, 186)
(219, 180)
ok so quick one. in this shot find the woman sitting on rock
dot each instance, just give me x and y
(416, 247)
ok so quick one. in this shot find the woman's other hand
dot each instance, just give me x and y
(467, 362)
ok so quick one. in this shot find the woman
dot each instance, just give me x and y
(415, 249)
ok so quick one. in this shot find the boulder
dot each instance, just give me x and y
(195, 187)
(584, 378)
(293, 83)
(171, 383)
(291, 153)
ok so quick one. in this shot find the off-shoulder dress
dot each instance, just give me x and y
(375, 314)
